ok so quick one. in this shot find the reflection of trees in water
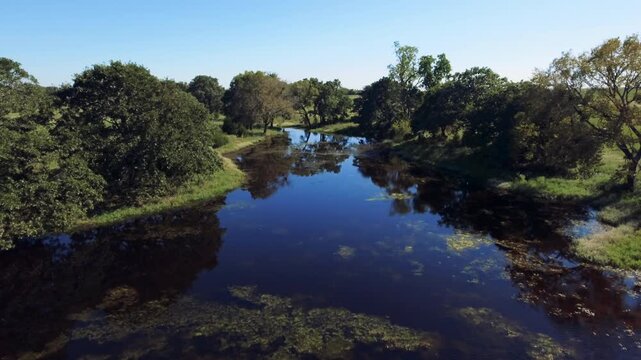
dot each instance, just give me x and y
(270, 162)
(580, 294)
(43, 282)
(528, 230)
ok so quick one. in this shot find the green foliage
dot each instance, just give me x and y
(379, 107)
(304, 94)
(606, 85)
(143, 136)
(207, 90)
(434, 70)
(44, 185)
(549, 136)
(256, 98)
(320, 103)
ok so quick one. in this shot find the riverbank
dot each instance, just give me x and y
(617, 244)
(230, 177)
(348, 128)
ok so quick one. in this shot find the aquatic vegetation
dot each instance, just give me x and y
(462, 241)
(476, 268)
(262, 324)
(391, 196)
(539, 346)
(345, 252)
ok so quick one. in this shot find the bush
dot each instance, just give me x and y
(234, 128)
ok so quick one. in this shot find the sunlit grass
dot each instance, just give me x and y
(198, 191)
(619, 246)
(579, 187)
(203, 189)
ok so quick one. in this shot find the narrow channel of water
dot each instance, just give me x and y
(332, 250)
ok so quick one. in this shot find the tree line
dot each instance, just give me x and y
(554, 124)
(117, 135)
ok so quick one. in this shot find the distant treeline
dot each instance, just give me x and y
(118, 135)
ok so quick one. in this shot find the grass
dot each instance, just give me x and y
(580, 188)
(618, 245)
(218, 184)
(341, 128)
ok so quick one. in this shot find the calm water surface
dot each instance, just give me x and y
(332, 250)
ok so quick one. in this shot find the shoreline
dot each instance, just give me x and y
(218, 184)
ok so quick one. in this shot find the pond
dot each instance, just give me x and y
(333, 249)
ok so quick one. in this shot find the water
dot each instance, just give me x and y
(333, 250)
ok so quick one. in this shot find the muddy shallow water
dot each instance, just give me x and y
(332, 250)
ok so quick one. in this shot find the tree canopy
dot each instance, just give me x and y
(257, 98)
(143, 136)
(605, 83)
(207, 90)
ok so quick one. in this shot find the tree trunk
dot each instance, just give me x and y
(631, 174)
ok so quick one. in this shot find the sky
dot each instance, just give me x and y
(351, 40)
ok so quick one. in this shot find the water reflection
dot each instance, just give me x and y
(530, 231)
(349, 253)
(44, 282)
(270, 163)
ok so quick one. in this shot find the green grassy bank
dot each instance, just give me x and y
(218, 184)
(617, 245)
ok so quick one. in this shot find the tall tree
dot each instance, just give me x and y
(207, 90)
(378, 108)
(333, 103)
(256, 97)
(406, 72)
(144, 136)
(44, 185)
(433, 71)
(304, 94)
(606, 82)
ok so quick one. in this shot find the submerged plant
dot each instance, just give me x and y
(265, 325)
(391, 196)
(462, 241)
(539, 346)
(345, 252)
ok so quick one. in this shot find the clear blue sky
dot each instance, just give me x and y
(348, 40)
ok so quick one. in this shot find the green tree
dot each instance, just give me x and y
(44, 185)
(406, 73)
(257, 98)
(20, 93)
(549, 136)
(467, 105)
(378, 108)
(605, 83)
(144, 136)
(332, 103)
(304, 94)
(207, 90)
(433, 71)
